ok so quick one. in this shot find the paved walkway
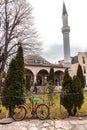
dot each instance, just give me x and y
(67, 124)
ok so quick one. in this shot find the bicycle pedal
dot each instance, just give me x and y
(32, 112)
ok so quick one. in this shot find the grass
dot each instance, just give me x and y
(56, 110)
(83, 109)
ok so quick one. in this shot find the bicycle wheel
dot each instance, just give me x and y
(42, 111)
(19, 113)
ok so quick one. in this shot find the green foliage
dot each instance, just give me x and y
(14, 82)
(77, 90)
(67, 82)
(27, 85)
(72, 94)
(51, 76)
(80, 75)
(51, 85)
(2, 75)
(66, 91)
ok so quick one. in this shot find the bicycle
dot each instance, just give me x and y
(41, 111)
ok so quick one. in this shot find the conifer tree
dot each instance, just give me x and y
(80, 75)
(72, 94)
(51, 76)
(20, 82)
(67, 81)
(51, 85)
(14, 83)
(77, 95)
(66, 98)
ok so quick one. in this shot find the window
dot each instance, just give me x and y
(84, 69)
(44, 62)
(83, 60)
(85, 80)
(35, 61)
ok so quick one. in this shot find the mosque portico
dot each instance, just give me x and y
(39, 72)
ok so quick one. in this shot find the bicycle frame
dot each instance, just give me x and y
(31, 106)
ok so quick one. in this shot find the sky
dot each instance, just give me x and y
(48, 21)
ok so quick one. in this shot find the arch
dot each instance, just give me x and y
(42, 77)
(30, 74)
(58, 77)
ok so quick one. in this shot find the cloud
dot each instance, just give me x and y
(54, 52)
(76, 49)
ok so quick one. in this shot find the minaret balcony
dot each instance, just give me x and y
(65, 29)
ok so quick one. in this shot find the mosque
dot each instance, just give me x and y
(37, 68)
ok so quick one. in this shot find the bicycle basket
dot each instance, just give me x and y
(35, 99)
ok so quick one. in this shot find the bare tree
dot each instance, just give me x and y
(17, 25)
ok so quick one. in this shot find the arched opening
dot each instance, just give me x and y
(30, 74)
(58, 78)
(42, 77)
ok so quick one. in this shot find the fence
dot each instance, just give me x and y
(56, 109)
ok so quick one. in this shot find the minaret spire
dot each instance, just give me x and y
(64, 9)
(66, 42)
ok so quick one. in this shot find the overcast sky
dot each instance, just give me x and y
(48, 21)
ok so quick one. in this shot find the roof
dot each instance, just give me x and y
(36, 60)
(64, 9)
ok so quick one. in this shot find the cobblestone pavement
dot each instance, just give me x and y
(77, 124)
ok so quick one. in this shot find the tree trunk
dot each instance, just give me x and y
(10, 111)
(69, 112)
(0, 84)
(74, 111)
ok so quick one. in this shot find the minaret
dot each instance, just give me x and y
(66, 43)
